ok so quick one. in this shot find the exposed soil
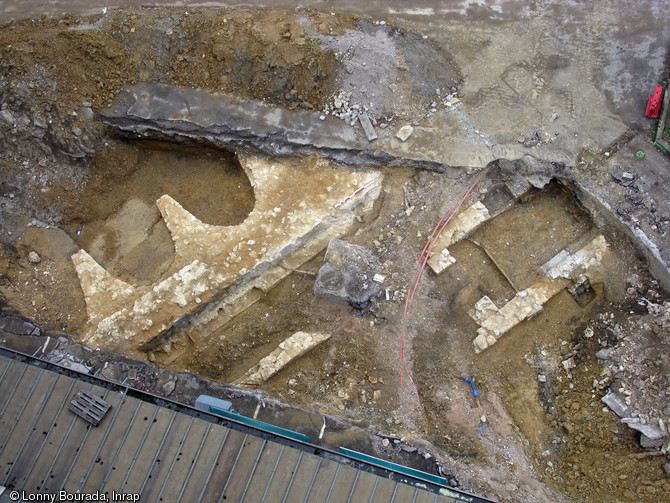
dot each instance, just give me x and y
(116, 218)
(555, 429)
(68, 183)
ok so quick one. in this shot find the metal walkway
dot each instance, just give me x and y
(167, 452)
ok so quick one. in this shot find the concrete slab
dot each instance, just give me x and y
(159, 109)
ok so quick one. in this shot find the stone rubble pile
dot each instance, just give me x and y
(637, 372)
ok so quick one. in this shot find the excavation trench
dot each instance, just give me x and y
(117, 220)
(170, 186)
(124, 223)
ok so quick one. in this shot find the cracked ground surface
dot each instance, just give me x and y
(552, 92)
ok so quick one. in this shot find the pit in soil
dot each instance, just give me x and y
(117, 220)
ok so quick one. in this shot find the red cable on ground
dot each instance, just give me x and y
(425, 254)
(436, 228)
(407, 302)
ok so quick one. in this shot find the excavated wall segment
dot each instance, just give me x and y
(151, 109)
(296, 205)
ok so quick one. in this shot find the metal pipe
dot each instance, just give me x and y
(290, 482)
(214, 463)
(174, 460)
(74, 461)
(230, 475)
(46, 437)
(139, 449)
(118, 449)
(253, 469)
(272, 475)
(158, 451)
(23, 408)
(60, 448)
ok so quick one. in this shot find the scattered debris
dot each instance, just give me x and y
(568, 364)
(604, 354)
(617, 403)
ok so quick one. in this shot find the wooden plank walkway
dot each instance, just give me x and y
(163, 454)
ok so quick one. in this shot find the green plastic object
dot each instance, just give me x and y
(277, 430)
(411, 472)
(640, 154)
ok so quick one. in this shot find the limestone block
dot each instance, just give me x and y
(484, 308)
(367, 127)
(480, 343)
(290, 349)
(298, 208)
(617, 403)
(158, 308)
(103, 293)
(524, 305)
(460, 226)
(440, 261)
(517, 185)
(571, 265)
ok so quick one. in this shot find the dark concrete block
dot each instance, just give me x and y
(347, 274)
(17, 326)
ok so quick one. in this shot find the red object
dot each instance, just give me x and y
(654, 105)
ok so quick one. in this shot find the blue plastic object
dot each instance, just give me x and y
(475, 393)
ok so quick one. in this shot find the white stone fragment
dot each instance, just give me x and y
(290, 349)
(483, 309)
(441, 261)
(404, 132)
(461, 226)
(566, 264)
